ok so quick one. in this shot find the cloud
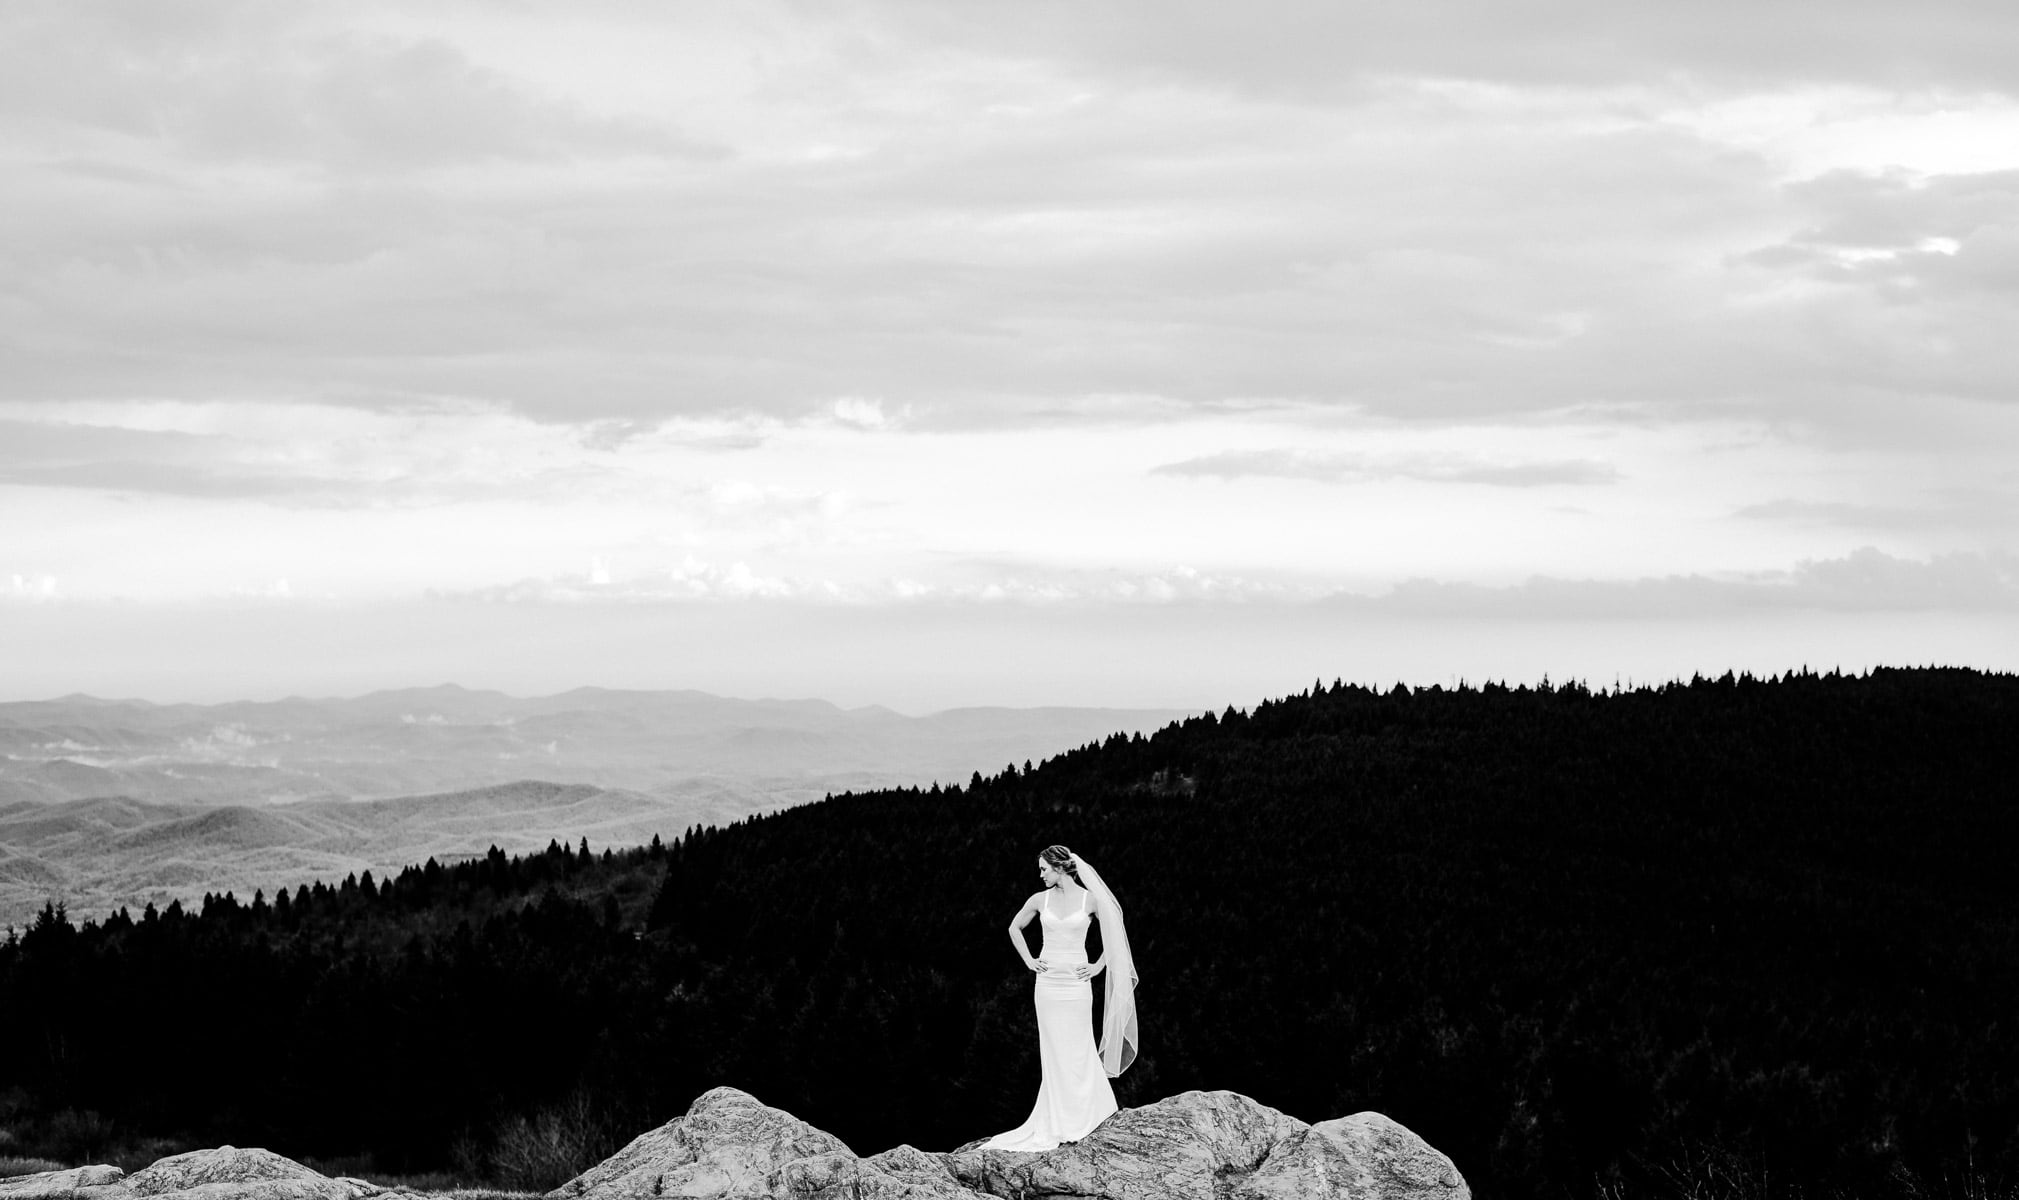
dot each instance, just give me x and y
(1350, 468)
(1989, 512)
(166, 479)
(637, 282)
(985, 584)
(1312, 48)
(1864, 581)
(1009, 583)
(226, 82)
(692, 580)
(978, 261)
(1942, 246)
(70, 455)
(323, 203)
(861, 413)
(299, 456)
(612, 434)
(29, 587)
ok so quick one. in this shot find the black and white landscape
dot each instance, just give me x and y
(1494, 522)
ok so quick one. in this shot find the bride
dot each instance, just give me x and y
(1073, 1093)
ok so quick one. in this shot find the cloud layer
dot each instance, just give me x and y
(1442, 306)
(337, 204)
(1344, 467)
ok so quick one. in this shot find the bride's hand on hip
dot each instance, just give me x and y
(1040, 965)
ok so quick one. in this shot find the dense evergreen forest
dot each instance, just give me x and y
(1572, 938)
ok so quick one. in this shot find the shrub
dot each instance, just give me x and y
(77, 1137)
(557, 1143)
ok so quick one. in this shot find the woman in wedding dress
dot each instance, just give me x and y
(1073, 1091)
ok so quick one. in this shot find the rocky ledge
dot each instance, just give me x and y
(728, 1146)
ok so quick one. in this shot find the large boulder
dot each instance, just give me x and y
(80, 1182)
(728, 1146)
(225, 1173)
(1191, 1146)
(1365, 1156)
(229, 1173)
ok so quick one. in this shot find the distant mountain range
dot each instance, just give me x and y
(108, 802)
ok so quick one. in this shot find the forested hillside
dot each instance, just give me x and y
(1568, 937)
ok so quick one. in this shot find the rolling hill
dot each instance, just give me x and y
(108, 802)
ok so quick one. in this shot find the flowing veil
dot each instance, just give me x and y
(1118, 1018)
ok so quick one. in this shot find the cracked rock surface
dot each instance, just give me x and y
(1365, 1154)
(1184, 1147)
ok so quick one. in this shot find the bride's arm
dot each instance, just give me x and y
(1016, 934)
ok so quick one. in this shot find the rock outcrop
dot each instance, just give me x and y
(225, 1173)
(229, 1173)
(728, 1146)
(1192, 1146)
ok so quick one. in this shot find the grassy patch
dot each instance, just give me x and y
(11, 1168)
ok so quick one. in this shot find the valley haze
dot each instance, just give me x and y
(125, 802)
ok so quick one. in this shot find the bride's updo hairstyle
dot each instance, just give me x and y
(1062, 858)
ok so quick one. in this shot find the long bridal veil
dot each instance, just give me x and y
(1118, 1016)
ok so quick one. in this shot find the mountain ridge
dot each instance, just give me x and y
(388, 778)
(97, 854)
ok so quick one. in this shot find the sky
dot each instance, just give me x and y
(930, 354)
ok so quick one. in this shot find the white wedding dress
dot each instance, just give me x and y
(1073, 1093)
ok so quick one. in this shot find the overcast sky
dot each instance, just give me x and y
(933, 353)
